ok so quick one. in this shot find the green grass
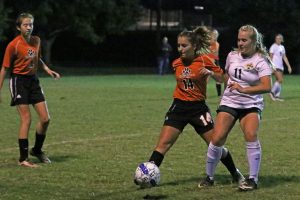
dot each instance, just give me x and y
(102, 127)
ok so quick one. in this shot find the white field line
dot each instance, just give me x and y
(81, 140)
(119, 136)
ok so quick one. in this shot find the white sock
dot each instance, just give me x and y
(254, 158)
(214, 154)
(276, 89)
(277, 94)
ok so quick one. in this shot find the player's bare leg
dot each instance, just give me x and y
(41, 129)
(25, 117)
(168, 137)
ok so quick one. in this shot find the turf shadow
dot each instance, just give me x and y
(274, 180)
(220, 179)
(155, 197)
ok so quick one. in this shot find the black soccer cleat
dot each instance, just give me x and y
(248, 185)
(41, 156)
(238, 177)
(206, 182)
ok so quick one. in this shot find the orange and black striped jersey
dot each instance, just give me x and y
(191, 81)
(23, 57)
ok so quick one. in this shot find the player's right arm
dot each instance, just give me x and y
(7, 62)
(2, 77)
(271, 52)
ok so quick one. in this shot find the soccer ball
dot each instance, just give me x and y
(146, 175)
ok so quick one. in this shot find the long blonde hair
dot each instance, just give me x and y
(257, 38)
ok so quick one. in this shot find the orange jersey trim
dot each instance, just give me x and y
(191, 82)
(21, 56)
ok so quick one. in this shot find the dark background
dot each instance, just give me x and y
(133, 48)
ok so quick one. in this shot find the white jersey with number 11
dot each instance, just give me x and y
(246, 72)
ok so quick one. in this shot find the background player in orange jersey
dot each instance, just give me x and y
(22, 57)
(214, 48)
(191, 70)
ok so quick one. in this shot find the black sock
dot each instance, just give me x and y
(157, 158)
(23, 147)
(229, 164)
(39, 141)
(218, 87)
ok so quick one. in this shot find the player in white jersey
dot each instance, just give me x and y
(248, 73)
(278, 55)
(245, 71)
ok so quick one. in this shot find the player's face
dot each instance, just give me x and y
(26, 27)
(185, 48)
(278, 39)
(245, 44)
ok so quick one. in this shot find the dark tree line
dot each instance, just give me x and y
(94, 20)
(89, 19)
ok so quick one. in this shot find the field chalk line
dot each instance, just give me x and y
(115, 137)
(80, 140)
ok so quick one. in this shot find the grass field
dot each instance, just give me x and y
(102, 127)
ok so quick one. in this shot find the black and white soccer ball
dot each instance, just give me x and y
(147, 175)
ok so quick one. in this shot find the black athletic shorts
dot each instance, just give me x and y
(25, 89)
(195, 113)
(239, 113)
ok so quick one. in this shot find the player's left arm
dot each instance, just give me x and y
(52, 73)
(2, 77)
(264, 86)
(286, 60)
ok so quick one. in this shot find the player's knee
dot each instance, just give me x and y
(250, 136)
(26, 121)
(45, 121)
(218, 140)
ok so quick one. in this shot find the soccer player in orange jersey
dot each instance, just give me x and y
(214, 54)
(22, 57)
(214, 48)
(191, 70)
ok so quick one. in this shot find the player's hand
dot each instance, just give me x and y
(54, 74)
(206, 72)
(290, 70)
(235, 86)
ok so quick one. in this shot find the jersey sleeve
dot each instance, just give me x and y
(209, 63)
(176, 63)
(8, 56)
(272, 49)
(264, 68)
